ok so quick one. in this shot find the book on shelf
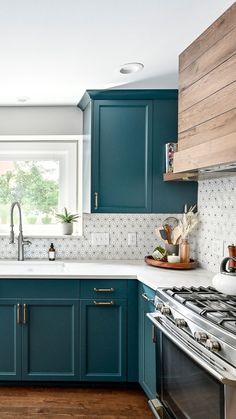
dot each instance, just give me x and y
(171, 148)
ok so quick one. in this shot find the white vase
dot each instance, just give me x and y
(67, 229)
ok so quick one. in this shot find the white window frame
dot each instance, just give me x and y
(68, 151)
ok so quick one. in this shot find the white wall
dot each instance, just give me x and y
(35, 120)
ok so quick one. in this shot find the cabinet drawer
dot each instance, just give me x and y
(104, 288)
(39, 288)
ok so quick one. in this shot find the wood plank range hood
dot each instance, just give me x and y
(207, 101)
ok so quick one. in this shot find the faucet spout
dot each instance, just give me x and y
(21, 241)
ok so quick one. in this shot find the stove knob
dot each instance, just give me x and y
(200, 336)
(166, 311)
(159, 306)
(180, 323)
(213, 345)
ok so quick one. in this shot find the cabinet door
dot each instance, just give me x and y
(122, 156)
(10, 338)
(50, 339)
(147, 359)
(103, 340)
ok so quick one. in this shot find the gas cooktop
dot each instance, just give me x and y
(203, 315)
(209, 303)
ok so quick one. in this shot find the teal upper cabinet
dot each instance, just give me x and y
(122, 156)
(128, 130)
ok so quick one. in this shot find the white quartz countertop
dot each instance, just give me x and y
(151, 276)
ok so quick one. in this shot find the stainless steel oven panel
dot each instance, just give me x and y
(226, 352)
(204, 323)
(222, 371)
(157, 409)
(225, 336)
(230, 402)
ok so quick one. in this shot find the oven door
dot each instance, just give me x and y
(186, 387)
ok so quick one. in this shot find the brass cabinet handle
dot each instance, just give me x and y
(154, 339)
(95, 200)
(146, 298)
(24, 313)
(18, 313)
(103, 303)
(104, 289)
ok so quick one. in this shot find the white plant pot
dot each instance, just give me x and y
(67, 229)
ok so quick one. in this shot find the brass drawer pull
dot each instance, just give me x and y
(24, 313)
(103, 303)
(104, 289)
(18, 313)
(146, 298)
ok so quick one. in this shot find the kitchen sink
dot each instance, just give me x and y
(34, 267)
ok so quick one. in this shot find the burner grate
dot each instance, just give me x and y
(209, 303)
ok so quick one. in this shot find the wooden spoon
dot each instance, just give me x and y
(168, 231)
(176, 235)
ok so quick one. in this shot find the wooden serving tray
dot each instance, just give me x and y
(161, 264)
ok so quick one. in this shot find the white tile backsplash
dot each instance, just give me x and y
(117, 225)
(217, 228)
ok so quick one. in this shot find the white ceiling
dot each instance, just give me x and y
(53, 50)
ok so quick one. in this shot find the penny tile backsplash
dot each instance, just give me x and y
(217, 229)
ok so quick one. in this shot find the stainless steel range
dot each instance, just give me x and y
(196, 354)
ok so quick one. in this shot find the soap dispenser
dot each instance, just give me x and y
(51, 253)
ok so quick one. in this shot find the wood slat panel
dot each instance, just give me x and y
(215, 152)
(220, 126)
(209, 84)
(212, 58)
(223, 25)
(214, 105)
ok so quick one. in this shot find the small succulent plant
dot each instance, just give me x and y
(67, 217)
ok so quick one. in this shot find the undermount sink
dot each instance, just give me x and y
(33, 267)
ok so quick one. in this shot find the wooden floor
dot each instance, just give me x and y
(65, 403)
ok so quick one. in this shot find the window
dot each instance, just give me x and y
(43, 173)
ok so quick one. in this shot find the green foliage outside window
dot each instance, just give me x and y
(34, 186)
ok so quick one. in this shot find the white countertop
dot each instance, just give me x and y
(151, 276)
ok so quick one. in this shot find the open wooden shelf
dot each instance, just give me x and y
(195, 176)
(184, 176)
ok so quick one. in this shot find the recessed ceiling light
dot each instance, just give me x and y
(131, 68)
(23, 99)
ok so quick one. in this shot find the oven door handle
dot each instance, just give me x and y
(225, 379)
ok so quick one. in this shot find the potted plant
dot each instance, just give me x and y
(67, 219)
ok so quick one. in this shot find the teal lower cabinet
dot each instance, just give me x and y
(103, 340)
(50, 330)
(68, 330)
(147, 358)
(10, 340)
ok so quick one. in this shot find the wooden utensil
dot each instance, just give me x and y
(176, 235)
(168, 231)
(161, 234)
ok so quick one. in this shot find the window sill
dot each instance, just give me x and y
(45, 236)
